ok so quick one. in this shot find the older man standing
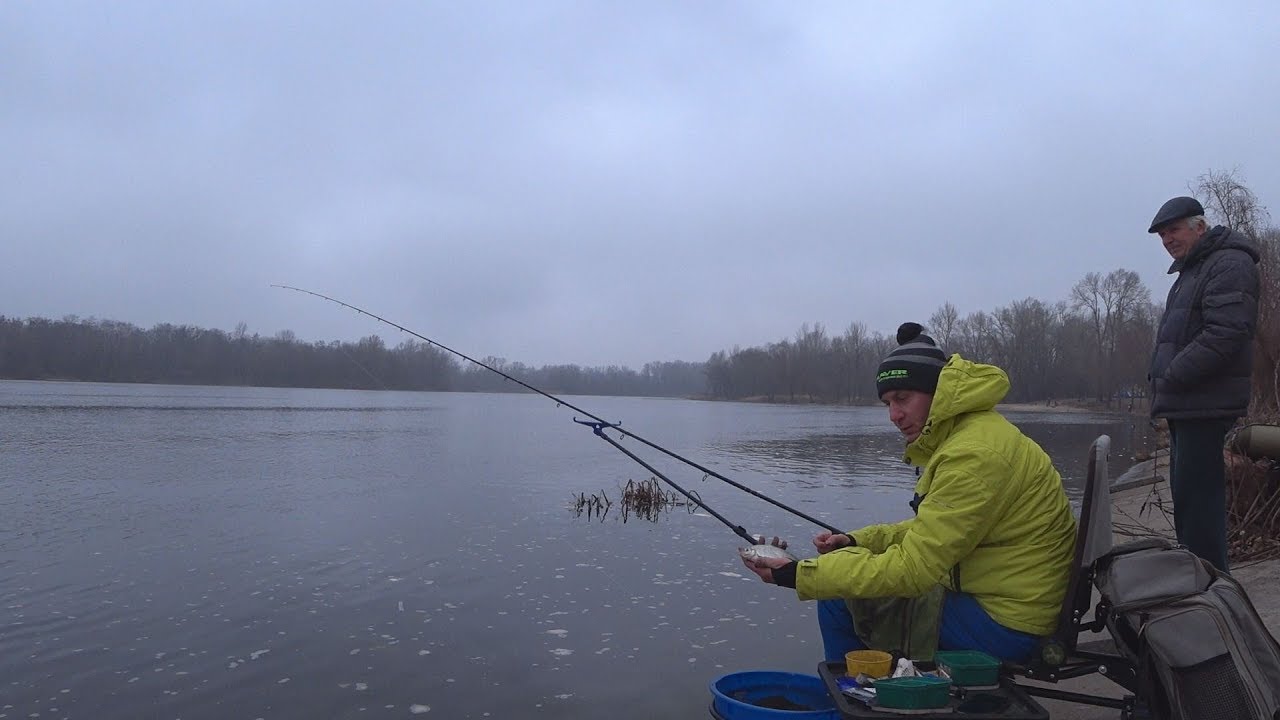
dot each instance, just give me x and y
(1202, 364)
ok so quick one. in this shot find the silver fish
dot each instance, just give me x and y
(758, 552)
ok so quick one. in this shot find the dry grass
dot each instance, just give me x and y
(645, 499)
(1253, 506)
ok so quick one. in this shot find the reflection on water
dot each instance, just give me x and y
(1067, 437)
(821, 459)
(861, 458)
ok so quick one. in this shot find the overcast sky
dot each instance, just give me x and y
(607, 183)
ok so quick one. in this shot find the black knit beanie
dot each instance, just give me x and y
(914, 365)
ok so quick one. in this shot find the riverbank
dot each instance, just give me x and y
(1138, 407)
(1124, 406)
(1057, 408)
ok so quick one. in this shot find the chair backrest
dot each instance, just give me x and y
(1093, 539)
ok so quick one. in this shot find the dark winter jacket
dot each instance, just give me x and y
(1203, 357)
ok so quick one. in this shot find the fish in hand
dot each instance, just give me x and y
(758, 552)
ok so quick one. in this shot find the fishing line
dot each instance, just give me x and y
(598, 426)
(360, 365)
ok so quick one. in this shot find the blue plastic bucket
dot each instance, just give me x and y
(762, 695)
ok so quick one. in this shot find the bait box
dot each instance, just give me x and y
(968, 667)
(913, 693)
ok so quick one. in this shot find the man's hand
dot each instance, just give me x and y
(764, 567)
(776, 542)
(826, 541)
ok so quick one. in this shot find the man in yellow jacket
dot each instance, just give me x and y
(993, 526)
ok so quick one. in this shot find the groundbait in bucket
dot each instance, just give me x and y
(771, 695)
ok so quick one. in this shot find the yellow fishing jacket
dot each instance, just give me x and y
(993, 520)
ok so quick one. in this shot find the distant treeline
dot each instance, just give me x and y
(110, 351)
(1095, 345)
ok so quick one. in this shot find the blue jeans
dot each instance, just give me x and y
(964, 626)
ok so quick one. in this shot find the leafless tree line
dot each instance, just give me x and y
(1095, 344)
(111, 351)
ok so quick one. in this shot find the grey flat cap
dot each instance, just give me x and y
(1178, 208)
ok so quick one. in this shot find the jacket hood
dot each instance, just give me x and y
(1218, 238)
(963, 387)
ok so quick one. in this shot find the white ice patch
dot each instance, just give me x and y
(558, 632)
(362, 686)
(729, 574)
(564, 696)
(257, 654)
(561, 652)
(419, 709)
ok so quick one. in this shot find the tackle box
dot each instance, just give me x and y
(968, 667)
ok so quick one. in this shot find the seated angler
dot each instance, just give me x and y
(986, 558)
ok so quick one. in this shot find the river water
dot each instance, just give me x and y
(209, 552)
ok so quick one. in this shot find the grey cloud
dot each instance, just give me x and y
(566, 182)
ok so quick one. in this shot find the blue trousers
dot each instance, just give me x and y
(965, 626)
(1198, 482)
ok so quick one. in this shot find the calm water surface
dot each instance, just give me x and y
(201, 552)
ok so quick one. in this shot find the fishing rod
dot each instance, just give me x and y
(598, 425)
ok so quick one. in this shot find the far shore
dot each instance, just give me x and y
(1074, 407)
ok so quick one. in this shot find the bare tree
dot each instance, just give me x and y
(1109, 304)
(1025, 331)
(852, 352)
(974, 338)
(943, 323)
(810, 360)
(1228, 201)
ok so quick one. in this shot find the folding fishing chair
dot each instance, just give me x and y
(1063, 656)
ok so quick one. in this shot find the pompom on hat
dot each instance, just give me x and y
(914, 365)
